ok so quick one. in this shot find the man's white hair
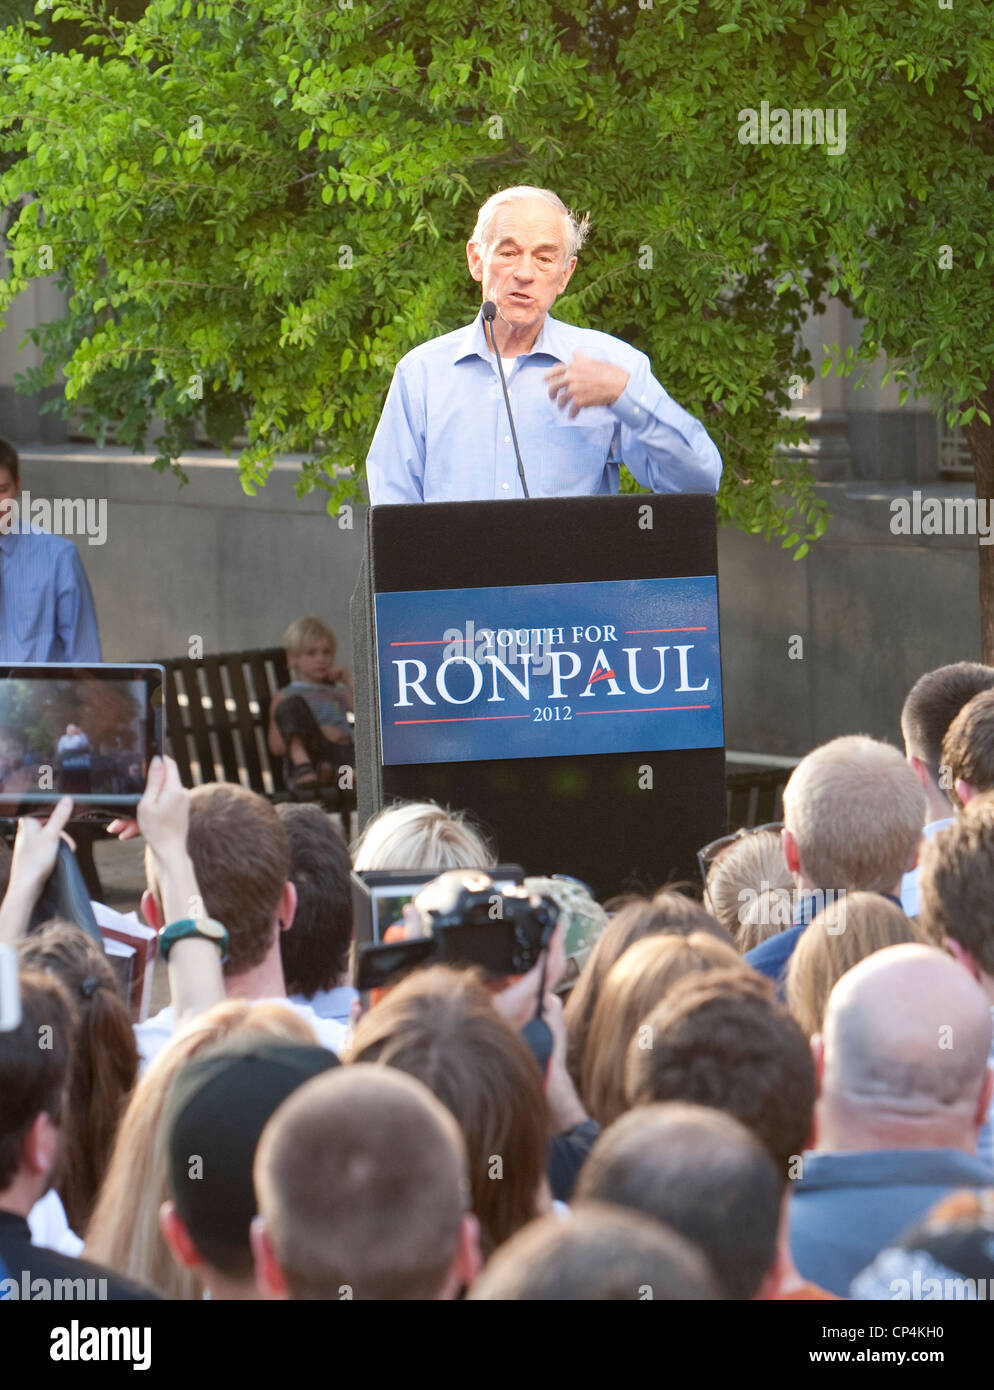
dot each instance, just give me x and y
(575, 228)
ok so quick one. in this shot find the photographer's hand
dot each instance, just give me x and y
(35, 851)
(519, 1002)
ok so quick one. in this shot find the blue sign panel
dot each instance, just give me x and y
(550, 670)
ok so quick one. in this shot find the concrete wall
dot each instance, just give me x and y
(202, 559)
(873, 610)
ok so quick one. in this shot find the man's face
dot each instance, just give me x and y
(9, 490)
(524, 270)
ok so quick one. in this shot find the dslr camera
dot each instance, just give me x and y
(463, 918)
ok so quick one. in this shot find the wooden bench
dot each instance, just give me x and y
(217, 721)
(756, 798)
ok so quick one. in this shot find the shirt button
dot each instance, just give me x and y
(642, 398)
(504, 486)
(636, 410)
(507, 439)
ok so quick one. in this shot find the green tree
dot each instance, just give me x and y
(259, 207)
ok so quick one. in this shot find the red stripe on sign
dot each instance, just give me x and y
(468, 719)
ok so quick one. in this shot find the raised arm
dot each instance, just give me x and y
(35, 850)
(662, 445)
(196, 981)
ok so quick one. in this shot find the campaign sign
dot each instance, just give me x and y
(548, 670)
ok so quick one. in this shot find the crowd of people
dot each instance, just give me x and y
(774, 1088)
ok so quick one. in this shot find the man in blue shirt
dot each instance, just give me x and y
(46, 608)
(904, 1088)
(583, 402)
(853, 813)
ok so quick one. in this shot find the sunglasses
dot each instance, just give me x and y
(707, 855)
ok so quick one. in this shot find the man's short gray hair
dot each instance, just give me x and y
(576, 228)
(856, 811)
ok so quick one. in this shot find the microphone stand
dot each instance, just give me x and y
(489, 314)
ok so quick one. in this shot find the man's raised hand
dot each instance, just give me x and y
(164, 810)
(585, 382)
(37, 846)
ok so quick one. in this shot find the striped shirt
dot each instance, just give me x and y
(444, 436)
(46, 607)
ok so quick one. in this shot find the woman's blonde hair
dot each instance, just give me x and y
(839, 937)
(103, 1063)
(749, 867)
(420, 835)
(635, 919)
(636, 983)
(124, 1229)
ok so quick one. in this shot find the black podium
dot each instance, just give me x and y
(620, 820)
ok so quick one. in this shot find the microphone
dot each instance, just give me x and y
(489, 314)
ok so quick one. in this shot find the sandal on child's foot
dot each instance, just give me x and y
(302, 775)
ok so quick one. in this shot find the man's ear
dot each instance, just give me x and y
(40, 1148)
(475, 261)
(288, 906)
(268, 1276)
(965, 790)
(467, 1261)
(965, 957)
(150, 911)
(177, 1237)
(920, 769)
(791, 857)
(567, 272)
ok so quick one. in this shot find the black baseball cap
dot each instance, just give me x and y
(220, 1102)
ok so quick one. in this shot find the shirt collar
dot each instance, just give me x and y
(472, 342)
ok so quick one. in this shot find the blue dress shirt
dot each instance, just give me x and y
(46, 607)
(444, 435)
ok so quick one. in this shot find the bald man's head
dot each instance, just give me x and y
(855, 811)
(906, 1039)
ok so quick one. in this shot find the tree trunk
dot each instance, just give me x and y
(980, 438)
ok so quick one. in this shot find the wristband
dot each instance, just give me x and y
(204, 927)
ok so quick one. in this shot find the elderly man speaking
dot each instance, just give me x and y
(582, 401)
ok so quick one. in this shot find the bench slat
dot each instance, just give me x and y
(246, 720)
(175, 727)
(223, 726)
(197, 717)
